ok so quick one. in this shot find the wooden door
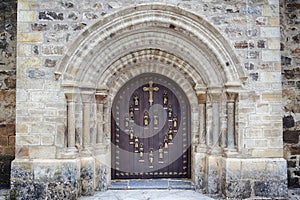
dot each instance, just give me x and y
(150, 132)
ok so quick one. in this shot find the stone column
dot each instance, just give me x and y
(215, 99)
(202, 121)
(231, 137)
(71, 102)
(101, 146)
(100, 100)
(86, 119)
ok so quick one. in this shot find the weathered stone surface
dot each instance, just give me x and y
(45, 180)
(87, 174)
(50, 63)
(238, 189)
(51, 15)
(39, 27)
(288, 122)
(270, 188)
(5, 166)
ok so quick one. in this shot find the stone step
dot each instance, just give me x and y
(163, 184)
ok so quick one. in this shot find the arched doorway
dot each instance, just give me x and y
(150, 130)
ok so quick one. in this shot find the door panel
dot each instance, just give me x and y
(150, 132)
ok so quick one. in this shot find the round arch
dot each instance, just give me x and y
(151, 26)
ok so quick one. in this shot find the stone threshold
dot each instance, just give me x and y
(160, 184)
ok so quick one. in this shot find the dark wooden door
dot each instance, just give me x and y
(150, 134)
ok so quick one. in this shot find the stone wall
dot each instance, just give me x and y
(290, 58)
(8, 32)
(50, 31)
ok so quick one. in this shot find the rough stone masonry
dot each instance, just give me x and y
(52, 36)
(8, 42)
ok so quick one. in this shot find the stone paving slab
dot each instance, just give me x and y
(4, 194)
(147, 195)
(166, 184)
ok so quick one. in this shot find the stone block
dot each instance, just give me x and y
(28, 140)
(43, 128)
(270, 188)
(87, 175)
(213, 176)
(51, 15)
(271, 97)
(268, 152)
(102, 176)
(5, 167)
(23, 5)
(26, 62)
(24, 50)
(42, 152)
(39, 27)
(271, 56)
(47, 140)
(238, 189)
(30, 37)
(274, 43)
(51, 63)
(274, 21)
(27, 16)
(270, 11)
(22, 152)
(270, 77)
(45, 179)
(35, 73)
(270, 32)
(53, 50)
(291, 137)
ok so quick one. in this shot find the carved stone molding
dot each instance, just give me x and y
(232, 96)
(202, 98)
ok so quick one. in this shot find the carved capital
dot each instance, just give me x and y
(71, 92)
(215, 97)
(202, 97)
(87, 97)
(232, 96)
(71, 97)
(201, 94)
(215, 94)
(100, 98)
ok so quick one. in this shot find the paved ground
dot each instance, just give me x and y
(4, 194)
(150, 195)
(147, 195)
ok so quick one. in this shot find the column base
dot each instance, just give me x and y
(69, 153)
(232, 152)
(101, 148)
(201, 148)
(86, 152)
